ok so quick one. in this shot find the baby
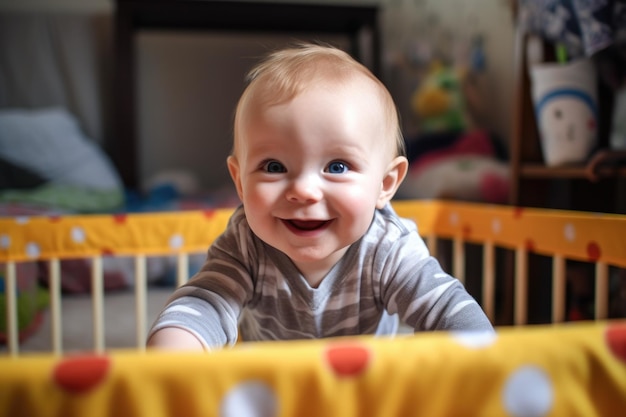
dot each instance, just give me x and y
(315, 250)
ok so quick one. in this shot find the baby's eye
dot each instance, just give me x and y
(337, 167)
(274, 167)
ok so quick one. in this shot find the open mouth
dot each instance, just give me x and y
(306, 225)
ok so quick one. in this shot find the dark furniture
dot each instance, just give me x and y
(359, 23)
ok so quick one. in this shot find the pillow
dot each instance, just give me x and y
(50, 143)
(460, 177)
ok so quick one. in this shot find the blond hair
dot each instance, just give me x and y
(285, 73)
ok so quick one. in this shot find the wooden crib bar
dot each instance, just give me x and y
(602, 290)
(489, 280)
(140, 300)
(558, 289)
(55, 305)
(97, 302)
(11, 307)
(182, 233)
(521, 285)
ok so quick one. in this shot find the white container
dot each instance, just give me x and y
(565, 98)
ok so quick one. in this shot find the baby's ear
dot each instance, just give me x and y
(396, 171)
(235, 170)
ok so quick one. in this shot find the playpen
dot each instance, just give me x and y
(552, 368)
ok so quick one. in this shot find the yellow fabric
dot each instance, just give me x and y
(564, 370)
(575, 235)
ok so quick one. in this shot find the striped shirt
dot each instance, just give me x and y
(249, 289)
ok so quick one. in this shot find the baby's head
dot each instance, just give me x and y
(317, 150)
(288, 72)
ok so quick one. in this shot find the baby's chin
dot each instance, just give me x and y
(310, 254)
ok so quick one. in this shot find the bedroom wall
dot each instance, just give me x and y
(184, 96)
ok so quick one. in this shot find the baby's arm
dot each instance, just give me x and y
(203, 314)
(174, 338)
(426, 297)
(434, 300)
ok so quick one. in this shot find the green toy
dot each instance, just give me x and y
(439, 101)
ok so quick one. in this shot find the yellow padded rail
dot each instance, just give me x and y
(563, 370)
(575, 235)
(584, 236)
(72, 236)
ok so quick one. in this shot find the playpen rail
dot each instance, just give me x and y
(461, 222)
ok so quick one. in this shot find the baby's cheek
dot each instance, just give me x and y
(260, 194)
(357, 204)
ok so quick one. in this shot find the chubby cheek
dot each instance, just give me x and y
(356, 204)
(258, 206)
(259, 199)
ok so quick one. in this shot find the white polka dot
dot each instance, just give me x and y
(78, 234)
(176, 241)
(477, 339)
(569, 232)
(184, 310)
(249, 399)
(496, 226)
(32, 250)
(454, 219)
(21, 219)
(5, 241)
(528, 392)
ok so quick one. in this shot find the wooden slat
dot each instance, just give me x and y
(558, 289)
(182, 269)
(458, 256)
(488, 280)
(11, 308)
(140, 300)
(521, 287)
(602, 291)
(97, 300)
(55, 306)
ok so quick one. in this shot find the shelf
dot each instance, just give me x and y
(542, 171)
(604, 164)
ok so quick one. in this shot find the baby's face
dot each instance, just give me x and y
(310, 171)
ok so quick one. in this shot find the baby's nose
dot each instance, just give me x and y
(305, 189)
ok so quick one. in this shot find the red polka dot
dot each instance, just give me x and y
(208, 213)
(518, 212)
(120, 218)
(54, 218)
(467, 230)
(81, 373)
(529, 244)
(348, 360)
(616, 340)
(108, 252)
(593, 251)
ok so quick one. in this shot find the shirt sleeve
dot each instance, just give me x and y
(414, 285)
(209, 305)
